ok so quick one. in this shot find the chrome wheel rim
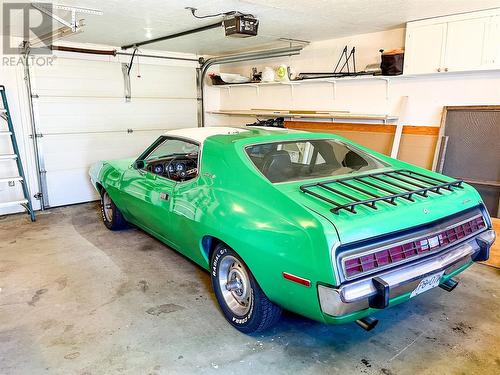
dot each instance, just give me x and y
(106, 207)
(235, 285)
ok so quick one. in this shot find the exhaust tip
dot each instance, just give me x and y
(367, 323)
(449, 285)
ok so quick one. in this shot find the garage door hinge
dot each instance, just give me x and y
(38, 196)
(34, 96)
(37, 135)
(130, 130)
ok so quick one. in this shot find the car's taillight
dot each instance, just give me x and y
(367, 262)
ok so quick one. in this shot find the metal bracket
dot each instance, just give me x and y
(126, 82)
(381, 299)
(48, 9)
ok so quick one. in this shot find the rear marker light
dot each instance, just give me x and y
(297, 279)
(407, 250)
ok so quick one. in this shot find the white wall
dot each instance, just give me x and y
(426, 94)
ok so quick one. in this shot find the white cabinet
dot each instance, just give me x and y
(466, 47)
(425, 48)
(493, 40)
(464, 42)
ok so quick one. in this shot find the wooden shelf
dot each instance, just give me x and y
(333, 116)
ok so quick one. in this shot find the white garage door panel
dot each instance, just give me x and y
(162, 81)
(63, 152)
(69, 157)
(78, 77)
(105, 79)
(83, 117)
(63, 115)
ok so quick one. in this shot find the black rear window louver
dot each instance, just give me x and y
(403, 184)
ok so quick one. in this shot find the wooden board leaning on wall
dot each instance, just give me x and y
(495, 249)
(417, 142)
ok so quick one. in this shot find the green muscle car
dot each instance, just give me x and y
(307, 222)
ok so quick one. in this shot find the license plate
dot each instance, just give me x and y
(427, 283)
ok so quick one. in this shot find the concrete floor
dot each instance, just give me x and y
(76, 298)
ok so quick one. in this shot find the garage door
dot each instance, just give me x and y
(82, 116)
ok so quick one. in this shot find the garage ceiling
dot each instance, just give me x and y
(128, 21)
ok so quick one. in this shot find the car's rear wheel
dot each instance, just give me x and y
(111, 215)
(242, 301)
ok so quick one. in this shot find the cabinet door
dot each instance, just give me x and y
(425, 48)
(466, 45)
(493, 43)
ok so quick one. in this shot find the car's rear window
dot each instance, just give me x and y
(306, 159)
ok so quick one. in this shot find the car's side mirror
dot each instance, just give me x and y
(139, 164)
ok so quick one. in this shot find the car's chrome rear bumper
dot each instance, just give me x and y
(369, 291)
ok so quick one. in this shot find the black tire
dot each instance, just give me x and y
(111, 215)
(257, 313)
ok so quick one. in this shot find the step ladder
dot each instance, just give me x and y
(14, 156)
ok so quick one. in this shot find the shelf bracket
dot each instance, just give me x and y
(334, 89)
(387, 88)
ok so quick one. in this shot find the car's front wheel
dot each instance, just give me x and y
(111, 215)
(242, 301)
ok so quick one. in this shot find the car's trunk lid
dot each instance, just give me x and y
(370, 220)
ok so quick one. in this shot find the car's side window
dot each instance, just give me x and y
(174, 159)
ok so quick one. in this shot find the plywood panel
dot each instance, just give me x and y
(418, 149)
(379, 142)
(370, 128)
(417, 142)
(495, 249)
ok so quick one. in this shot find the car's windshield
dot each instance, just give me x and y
(305, 159)
(172, 147)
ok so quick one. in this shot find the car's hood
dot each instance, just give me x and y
(368, 222)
